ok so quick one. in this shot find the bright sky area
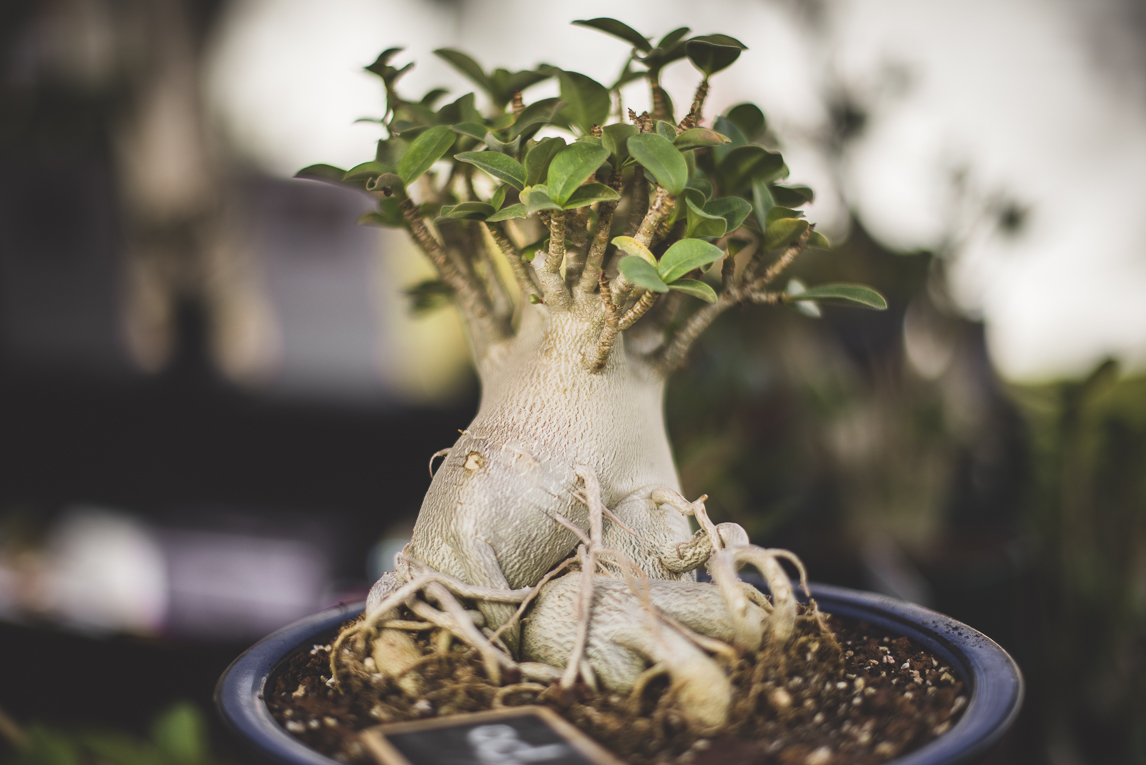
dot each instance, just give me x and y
(1043, 100)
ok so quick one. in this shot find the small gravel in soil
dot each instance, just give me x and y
(879, 698)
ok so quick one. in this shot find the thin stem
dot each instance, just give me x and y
(611, 330)
(692, 119)
(591, 273)
(647, 301)
(553, 287)
(499, 297)
(526, 277)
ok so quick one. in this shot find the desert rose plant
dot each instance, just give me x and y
(586, 248)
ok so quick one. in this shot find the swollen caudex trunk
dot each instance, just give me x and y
(492, 514)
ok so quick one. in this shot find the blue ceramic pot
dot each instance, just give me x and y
(991, 675)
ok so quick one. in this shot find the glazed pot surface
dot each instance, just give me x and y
(994, 680)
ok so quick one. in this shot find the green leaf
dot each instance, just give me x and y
(745, 164)
(613, 138)
(432, 96)
(631, 246)
(467, 66)
(695, 288)
(529, 251)
(502, 147)
(670, 40)
(587, 102)
(792, 196)
(618, 29)
(498, 198)
(500, 166)
(329, 174)
(657, 155)
(590, 193)
(784, 232)
(383, 60)
(749, 119)
(461, 110)
(537, 199)
(725, 127)
(701, 223)
(471, 129)
(701, 184)
(513, 211)
(468, 211)
(713, 53)
(686, 255)
(642, 273)
(762, 203)
(371, 169)
(426, 149)
(777, 212)
(572, 166)
(733, 209)
(842, 293)
(666, 130)
(538, 158)
(819, 241)
(694, 138)
(537, 113)
(519, 81)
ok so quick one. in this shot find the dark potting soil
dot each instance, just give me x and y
(872, 699)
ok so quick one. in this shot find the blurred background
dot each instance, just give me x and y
(216, 405)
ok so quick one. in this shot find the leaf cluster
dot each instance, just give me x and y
(725, 186)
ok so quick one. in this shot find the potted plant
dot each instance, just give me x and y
(586, 248)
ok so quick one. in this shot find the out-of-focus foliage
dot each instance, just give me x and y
(178, 737)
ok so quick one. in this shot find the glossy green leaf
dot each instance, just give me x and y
(590, 193)
(784, 232)
(748, 118)
(613, 138)
(694, 138)
(819, 241)
(536, 114)
(778, 212)
(391, 150)
(746, 164)
(631, 246)
(467, 66)
(471, 129)
(500, 166)
(686, 255)
(537, 198)
(672, 38)
(519, 81)
(842, 293)
(426, 149)
(587, 102)
(642, 273)
(663, 160)
(529, 251)
(571, 167)
(696, 288)
(468, 211)
(538, 158)
(713, 53)
(666, 130)
(512, 211)
(762, 202)
(618, 29)
(792, 196)
(498, 198)
(734, 210)
(502, 147)
(703, 224)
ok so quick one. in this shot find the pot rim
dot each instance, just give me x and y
(994, 679)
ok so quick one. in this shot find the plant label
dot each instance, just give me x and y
(516, 736)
